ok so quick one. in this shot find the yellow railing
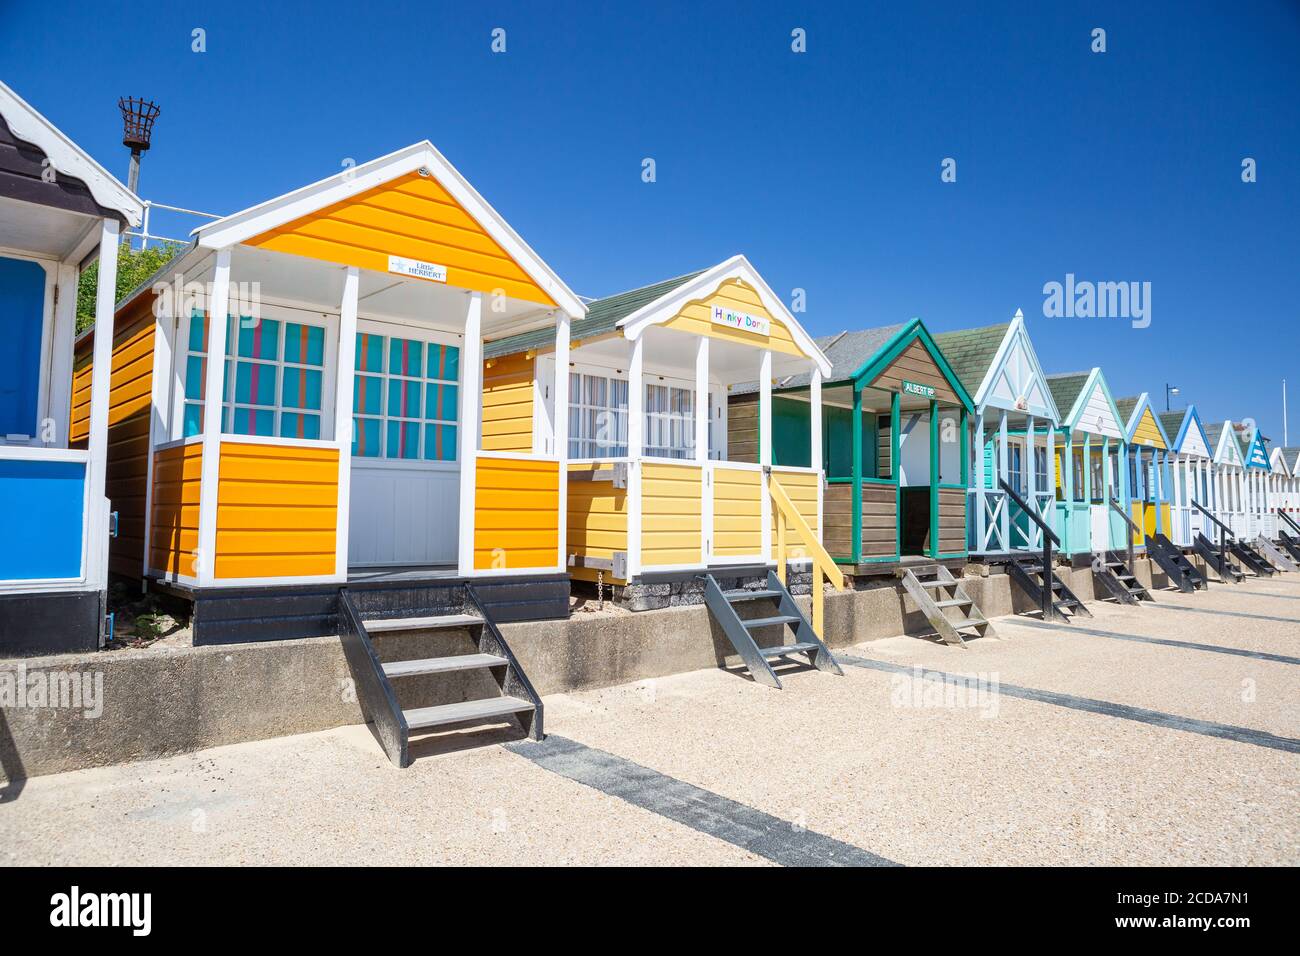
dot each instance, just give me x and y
(824, 567)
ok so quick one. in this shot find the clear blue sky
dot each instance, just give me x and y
(823, 168)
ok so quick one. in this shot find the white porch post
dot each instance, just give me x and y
(161, 403)
(205, 565)
(347, 359)
(561, 403)
(1049, 438)
(765, 447)
(815, 452)
(101, 378)
(1004, 524)
(980, 492)
(471, 376)
(61, 355)
(635, 449)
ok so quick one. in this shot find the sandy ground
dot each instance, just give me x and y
(868, 759)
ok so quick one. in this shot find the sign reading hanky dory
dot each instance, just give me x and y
(742, 321)
(417, 269)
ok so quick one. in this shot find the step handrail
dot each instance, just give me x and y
(1210, 514)
(517, 681)
(1288, 519)
(1047, 600)
(374, 693)
(1134, 527)
(824, 565)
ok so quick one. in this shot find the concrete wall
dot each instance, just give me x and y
(163, 701)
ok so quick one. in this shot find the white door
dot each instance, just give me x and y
(405, 493)
(1099, 517)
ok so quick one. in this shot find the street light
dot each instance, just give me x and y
(1169, 390)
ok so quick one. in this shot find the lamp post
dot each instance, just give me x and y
(137, 126)
(1169, 390)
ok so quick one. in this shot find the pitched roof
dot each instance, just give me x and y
(1171, 422)
(970, 352)
(603, 316)
(1291, 454)
(847, 352)
(1125, 408)
(1066, 387)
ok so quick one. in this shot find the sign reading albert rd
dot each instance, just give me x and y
(916, 388)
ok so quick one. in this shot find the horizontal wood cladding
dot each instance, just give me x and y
(914, 364)
(837, 510)
(596, 519)
(737, 512)
(411, 216)
(174, 528)
(516, 513)
(24, 175)
(671, 525)
(952, 521)
(742, 428)
(696, 317)
(879, 521)
(803, 488)
(277, 511)
(508, 404)
(884, 447)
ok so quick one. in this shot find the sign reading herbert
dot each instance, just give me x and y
(916, 388)
(417, 269)
(741, 320)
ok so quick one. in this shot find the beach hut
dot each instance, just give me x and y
(1227, 490)
(1015, 426)
(353, 436)
(1088, 464)
(1190, 472)
(59, 210)
(1147, 465)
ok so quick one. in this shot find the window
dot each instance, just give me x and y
(1077, 473)
(274, 380)
(1097, 475)
(1040, 469)
(597, 416)
(669, 421)
(405, 399)
(1016, 465)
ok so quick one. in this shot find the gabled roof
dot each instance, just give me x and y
(1132, 411)
(1066, 387)
(1224, 445)
(1182, 425)
(67, 158)
(970, 352)
(603, 316)
(1073, 390)
(1291, 454)
(421, 157)
(1254, 446)
(846, 351)
(999, 367)
(1278, 463)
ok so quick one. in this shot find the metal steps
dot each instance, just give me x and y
(740, 631)
(1028, 573)
(1290, 544)
(382, 684)
(1275, 555)
(1174, 563)
(1247, 557)
(1118, 579)
(923, 583)
(1215, 559)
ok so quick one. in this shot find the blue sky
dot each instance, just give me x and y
(822, 167)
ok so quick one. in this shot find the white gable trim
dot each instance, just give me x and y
(1228, 453)
(244, 225)
(737, 267)
(1094, 410)
(1195, 442)
(1277, 462)
(1016, 343)
(1141, 408)
(67, 157)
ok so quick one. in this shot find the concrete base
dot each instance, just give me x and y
(158, 702)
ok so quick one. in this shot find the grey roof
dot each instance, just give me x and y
(1066, 387)
(846, 351)
(1125, 408)
(1171, 422)
(1291, 454)
(603, 316)
(970, 352)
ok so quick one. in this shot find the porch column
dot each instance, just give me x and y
(213, 392)
(1028, 461)
(1105, 477)
(765, 447)
(561, 404)
(1049, 441)
(855, 497)
(161, 401)
(347, 360)
(56, 401)
(815, 452)
(981, 492)
(471, 375)
(635, 431)
(702, 446)
(1005, 524)
(1157, 466)
(101, 379)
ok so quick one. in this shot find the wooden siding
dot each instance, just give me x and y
(696, 317)
(1148, 432)
(802, 487)
(174, 530)
(516, 513)
(952, 521)
(915, 365)
(277, 509)
(671, 525)
(596, 520)
(411, 216)
(742, 428)
(737, 512)
(884, 447)
(508, 404)
(879, 521)
(837, 510)
(130, 407)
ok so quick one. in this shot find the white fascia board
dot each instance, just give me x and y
(737, 267)
(1017, 332)
(1277, 462)
(1144, 402)
(242, 226)
(67, 157)
(1228, 444)
(1081, 400)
